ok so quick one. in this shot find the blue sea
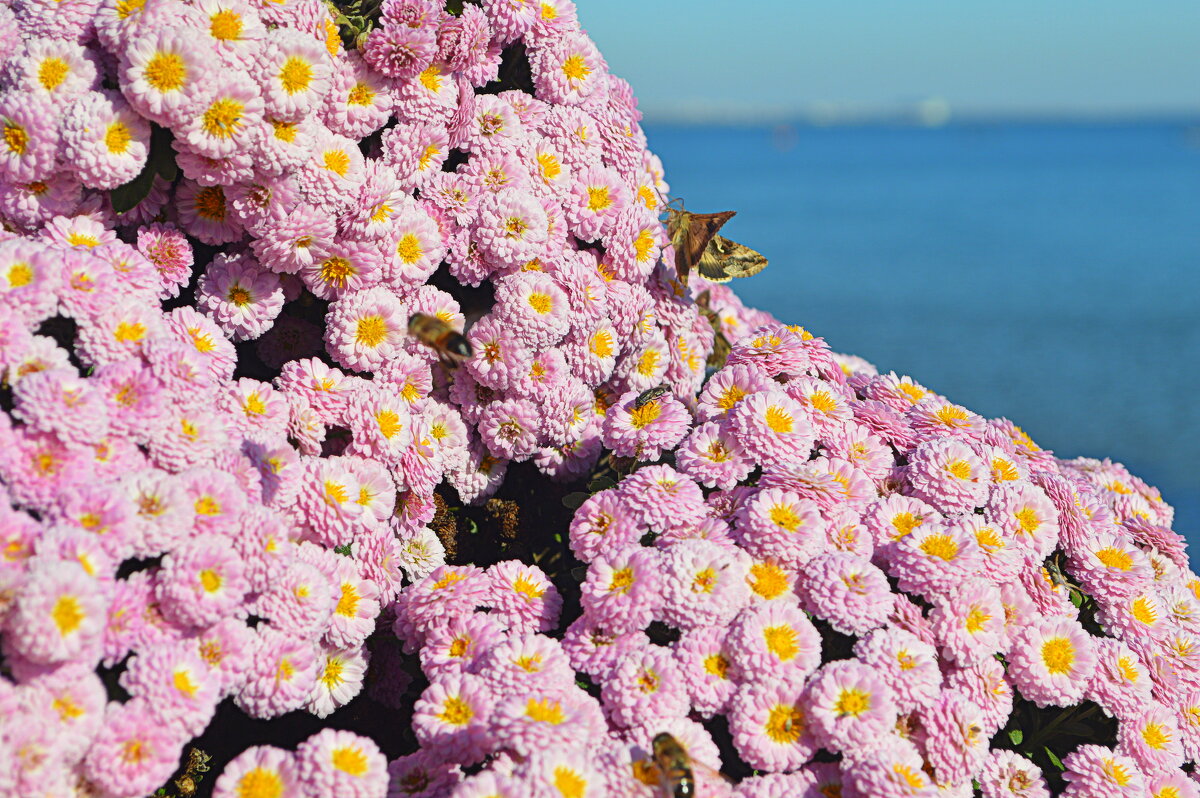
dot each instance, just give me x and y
(1048, 273)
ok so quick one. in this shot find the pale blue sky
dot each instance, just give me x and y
(1016, 56)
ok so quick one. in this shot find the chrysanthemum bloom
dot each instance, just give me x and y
(279, 676)
(1121, 685)
(1007, 774)
(849, 592)
(909, 665)
(771, 725)
(201, 583)
(544, 718)
(986, 684)
(892, 518)
(596, 201)
(948, 474)
(773, 427)
(603, 523)
(1052, 662)
(459, 644)
(893, 768)
(1096, 770)
(773, 641)
(1152, 739)
(59, 615)
(167, 248)
(623, 590)
(292, 71)
(30, 277)
(644, 432)
(335, 762)
(524, 664)
(647, 684)
(104, 142)
(31, 143)
(713, 456)
(568, 70)
(523, 595)
(727, 387)
(422, 773)
(258, 771)
(850, 705)
(956, 742)
(704, 583)
(706, 662)
(347, 266)
(203, 213)
(340, 674)
(179, 688)
(134, 752)
(241, 297)
(1110, 563)
(1025, 512)
(365, 327)
(58, 401)
(299, 600)
(451, 717)
(534, 307)
(934, 559)
(934, 417)
(779, 524)
(511, 429)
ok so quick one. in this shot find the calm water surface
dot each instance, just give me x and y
(1049, 274)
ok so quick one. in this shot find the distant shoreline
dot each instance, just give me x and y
(896, 120)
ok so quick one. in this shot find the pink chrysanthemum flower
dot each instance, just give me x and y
(227, 119)
(177, 685)
(934, 417)
(622, 590)
(644, 686)
(292, 71)
(1121, 685)
(850, 705)
(644, 432)
(1109, 562)
(167, 248)
(894, 517)
(134, 752)
(365, 327)
(511, 429)
(774, 641)
(713, 456)
(335, 762)
(104, 141)
(727, 387)
(340, 675)
(260, 770)
(947, 474)
(58, 401)
(535, 307)
(970, 622)
(779, 524)
(849, 592)
(346, 266)
(704, 583)
(242, 298)
(1152, 739)
(602, 524)
(510, 228)
(934, 559)
(358, 102)
(908, 664)
(459, 644)
(1025, 512)
(955, 741)
(53, 68)
(201, 583)
(771, 725)
(706, 660)
(773, 427)
(1052, 661)
(596, 201)
(400, 51)
(203, 213)
(594, 650)
(521, 665)
(59, 615)
(29, 279)
(34, 203)
(524, 597)
(295, 241)
(1096, 770)
(279, 676)
(31, 141)
(451, 717)
(567, 70)
(1007, 774)
(299, 600)
(163, 71)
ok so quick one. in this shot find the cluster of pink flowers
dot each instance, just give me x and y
(221, 450)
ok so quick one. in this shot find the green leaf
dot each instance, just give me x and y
(454, 7)
(1016, 736)
(601, 483)
(160, 162)
(343, 550)
(573, 501)
(1053, 757)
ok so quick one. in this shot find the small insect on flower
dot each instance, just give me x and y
(676, 769)
(648, 396)
(697, 245)
(451, 346)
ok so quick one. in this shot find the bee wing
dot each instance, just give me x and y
(725, 259)
(691, 234)
(699, 768)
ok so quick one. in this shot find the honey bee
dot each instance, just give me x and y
(451, 346)
(648, 396)
(676, 769)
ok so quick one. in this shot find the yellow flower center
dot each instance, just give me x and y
(527, 588)
(767, 580)
(456, 712)
(1145, 611)
(371, 331)
(350, 760)
(1028, 519)
(545, 710)
(960, 469)
(641, 417)
(784, 515)
(210, 580)
(15, 137)
(643, 245)
(779, 420)
(785, 723)
(823, 402)
(409, 248)
(1127, 668)
(601, 343)
(223, 119)
(576, 68)
(335, 271)
(782, 641)
(1115, 558)
(67, 708)
(331, 675)
(716, 665)
(977, 619)
(361, 94)
(295, 75)
(705, 581)
(239, 295)
(226, 25)
(67, 614)
(852, 701)
(941, 546)
(622, 580)
(1117, 772)
(52, 72)
(569, 783)
(648, 363)
(1058, 654)
(598, 198)
(184, 684)
(541, 303)
(284, 131)
(1156, 736)
(260, 783)
(166, 72)
(337, 161)
(20, 274)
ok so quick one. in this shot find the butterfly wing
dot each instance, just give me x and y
(691, 234)
(725, 259)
